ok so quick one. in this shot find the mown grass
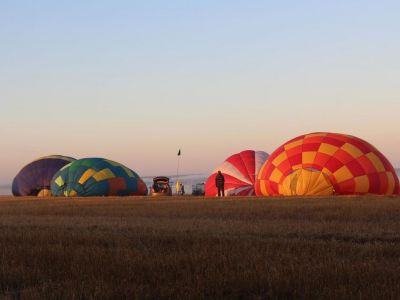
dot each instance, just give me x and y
(196, 248)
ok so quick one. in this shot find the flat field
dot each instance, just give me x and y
(196, 248)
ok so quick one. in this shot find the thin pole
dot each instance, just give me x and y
(177, 170)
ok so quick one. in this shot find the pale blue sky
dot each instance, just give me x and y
(135, 81)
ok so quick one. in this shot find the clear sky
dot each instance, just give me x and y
(134, 81)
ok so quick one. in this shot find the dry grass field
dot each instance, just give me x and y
(196, 248)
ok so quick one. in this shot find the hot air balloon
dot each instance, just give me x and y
(240, 171)
(96, 177)
(324, 164)
(34, 179)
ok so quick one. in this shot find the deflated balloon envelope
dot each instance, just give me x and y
(34, 179)
(97, 177)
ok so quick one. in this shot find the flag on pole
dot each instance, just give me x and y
(179, 152)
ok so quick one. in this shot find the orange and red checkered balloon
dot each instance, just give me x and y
(326, 163)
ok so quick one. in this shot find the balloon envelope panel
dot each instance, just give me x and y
(97, 177)
(240, 172)
(351, 165)
(35, 178)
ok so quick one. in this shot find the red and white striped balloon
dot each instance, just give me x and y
(240, 171)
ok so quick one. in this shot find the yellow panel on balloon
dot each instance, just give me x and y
(129, 172)
(352, 150)
(391, 183)
(280, 158)
(343, 174)
(315, 134)
(276, 176)
(263, 188)
(103, 175)
(308, 157)
(293, 144)
(362, 184)
(85, 176)
(327, 149)
(376, 162)
(59, 181)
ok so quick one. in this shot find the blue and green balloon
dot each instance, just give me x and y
(96, 177)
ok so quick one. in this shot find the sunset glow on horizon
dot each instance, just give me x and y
(136, 81)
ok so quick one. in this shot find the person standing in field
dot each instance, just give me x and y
(182, 189)
(220, 183)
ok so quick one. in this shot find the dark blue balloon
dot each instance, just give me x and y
(34, 179)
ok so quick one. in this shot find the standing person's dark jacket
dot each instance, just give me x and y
(219, 180)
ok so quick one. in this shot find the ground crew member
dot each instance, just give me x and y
(220, 183)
